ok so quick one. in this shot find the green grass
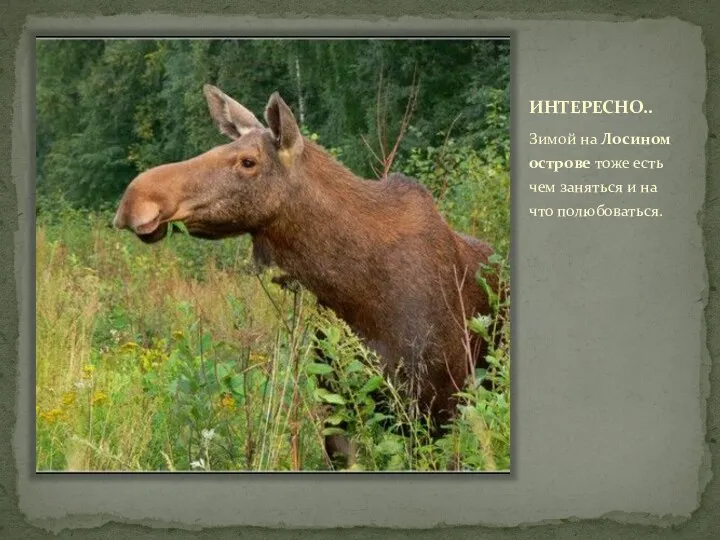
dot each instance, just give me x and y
(178, 357)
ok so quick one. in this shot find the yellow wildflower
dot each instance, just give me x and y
(129, 346)
(69, 398)
(98, 398)
(88, 371)
(256, 357)
(151, 358)
(53, 415)
(227, 402)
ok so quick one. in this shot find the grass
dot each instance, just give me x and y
(178, 357)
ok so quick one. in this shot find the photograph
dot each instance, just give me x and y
(272, 255)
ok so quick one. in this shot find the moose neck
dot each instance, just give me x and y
(328, 233)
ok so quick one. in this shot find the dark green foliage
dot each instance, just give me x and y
(108, 109)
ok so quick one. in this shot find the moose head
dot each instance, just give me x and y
(232, 189)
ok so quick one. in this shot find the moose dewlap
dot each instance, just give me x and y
(378, 253)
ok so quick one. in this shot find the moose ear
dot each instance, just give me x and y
(282, 123)
(229, 116)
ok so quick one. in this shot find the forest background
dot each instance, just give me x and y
(128, 335)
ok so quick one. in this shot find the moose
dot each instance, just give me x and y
(376, 252)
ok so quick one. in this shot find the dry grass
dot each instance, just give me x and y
(174, 357)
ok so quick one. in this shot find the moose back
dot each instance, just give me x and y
(378, 253)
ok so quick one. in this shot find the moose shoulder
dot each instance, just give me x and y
(378, 253)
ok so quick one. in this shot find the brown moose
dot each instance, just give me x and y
(378, 253)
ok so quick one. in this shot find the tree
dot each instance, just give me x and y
(107, 109)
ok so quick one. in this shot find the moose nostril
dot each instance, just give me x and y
(146, 226)
(142, 217)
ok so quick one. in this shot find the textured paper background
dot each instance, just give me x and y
(609, 341)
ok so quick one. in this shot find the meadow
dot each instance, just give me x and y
(182, 357)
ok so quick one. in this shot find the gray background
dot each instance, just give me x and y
(609, 344)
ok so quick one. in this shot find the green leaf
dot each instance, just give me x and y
(316, 368)
(223, 369)
(180, 226)
(332, 335)
(150, 379)
(389, 447)
(396, 462)
(329, 397)
(378, 417)
(237, 384)
(333, 431)
(354, 366)
(335, 419)
(372, 385)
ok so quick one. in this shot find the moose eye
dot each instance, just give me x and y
(247, 163)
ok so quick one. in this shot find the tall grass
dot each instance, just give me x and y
(179, 357)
